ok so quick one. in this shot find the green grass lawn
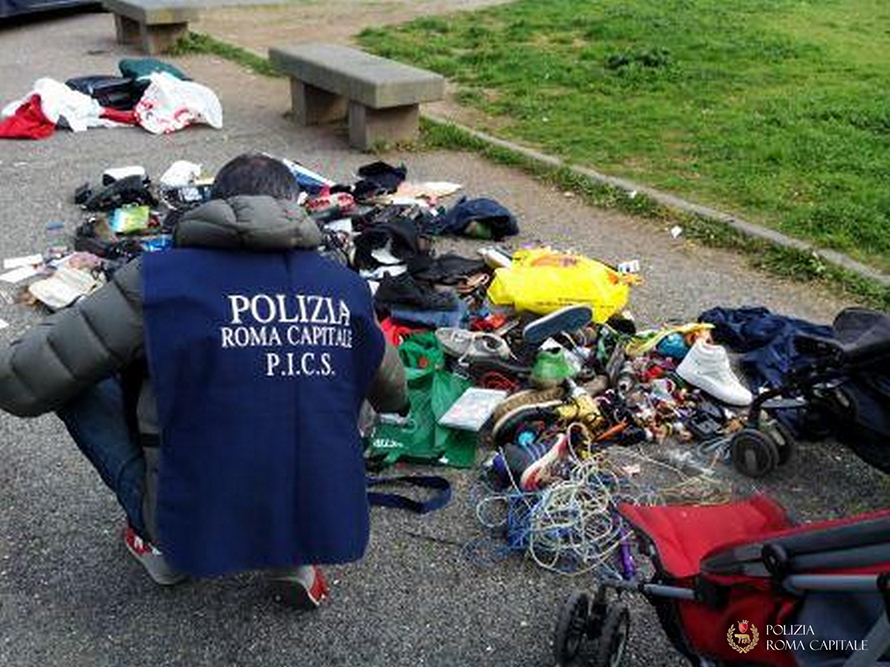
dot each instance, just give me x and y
(777, 110)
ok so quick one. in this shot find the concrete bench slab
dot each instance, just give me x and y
(153, 25)
(381, 97)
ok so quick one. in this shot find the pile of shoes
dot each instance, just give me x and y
(560, 363)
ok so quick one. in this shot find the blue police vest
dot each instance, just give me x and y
(260, 362)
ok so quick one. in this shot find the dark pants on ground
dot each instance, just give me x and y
(95, 419)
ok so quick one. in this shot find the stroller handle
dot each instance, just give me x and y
(844, 583)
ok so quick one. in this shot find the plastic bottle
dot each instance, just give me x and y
(626, 379)
(57, 241)
(495, 258)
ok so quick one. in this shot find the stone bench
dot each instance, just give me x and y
(382, 97)
(154, 25)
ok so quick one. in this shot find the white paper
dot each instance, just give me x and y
(25, 260)
(19, 274)
(472, 410)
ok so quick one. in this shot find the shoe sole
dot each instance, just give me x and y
(566, 319)
(477, 367)
(713, 388)
(527, 397)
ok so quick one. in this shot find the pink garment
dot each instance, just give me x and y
(28, 122)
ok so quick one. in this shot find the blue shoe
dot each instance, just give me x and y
(527, 462)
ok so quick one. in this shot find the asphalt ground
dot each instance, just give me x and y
(70, 594)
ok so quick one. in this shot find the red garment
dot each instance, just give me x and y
(118, 116)
(395, 332)
(28, 122)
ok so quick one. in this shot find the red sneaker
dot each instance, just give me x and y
(151, 559)
(304, 587)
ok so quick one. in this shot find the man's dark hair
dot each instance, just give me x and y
(255, 174)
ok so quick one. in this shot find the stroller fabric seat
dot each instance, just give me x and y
(684, 534)
(860, 334)
(742, 561)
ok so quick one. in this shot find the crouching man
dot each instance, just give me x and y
(216, 388)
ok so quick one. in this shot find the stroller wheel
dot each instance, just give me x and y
(571, 628)
(784, 441)
(754, 453)
(613, 642)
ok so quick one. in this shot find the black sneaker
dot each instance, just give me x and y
(302, 588)
(404, 291)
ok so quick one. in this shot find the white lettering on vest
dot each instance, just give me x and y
(239, 305)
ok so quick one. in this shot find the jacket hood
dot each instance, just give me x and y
(255, 223)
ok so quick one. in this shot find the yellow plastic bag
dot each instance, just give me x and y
(542, 280)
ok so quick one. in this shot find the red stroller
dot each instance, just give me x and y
(739, 584)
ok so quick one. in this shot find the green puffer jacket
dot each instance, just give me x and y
(102, 334)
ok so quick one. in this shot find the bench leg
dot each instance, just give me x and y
(312, 106)
(127, 30)
(160, 38)
(369, 127)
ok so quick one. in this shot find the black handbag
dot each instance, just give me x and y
(114, 92)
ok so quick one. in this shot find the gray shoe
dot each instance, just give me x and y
(465, 344)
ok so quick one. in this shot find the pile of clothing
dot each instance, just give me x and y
(149, 93)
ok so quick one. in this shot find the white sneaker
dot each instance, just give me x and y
(706, 366)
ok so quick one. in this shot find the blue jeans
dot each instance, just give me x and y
(95, 420)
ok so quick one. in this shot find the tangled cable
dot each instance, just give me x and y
(572, 526)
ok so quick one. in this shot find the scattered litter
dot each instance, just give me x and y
(64, 287)
(129, 219)
(530, 352)
(25, 260)
(170, 104)
(19, 274)
(179, 174)
(630, 266)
